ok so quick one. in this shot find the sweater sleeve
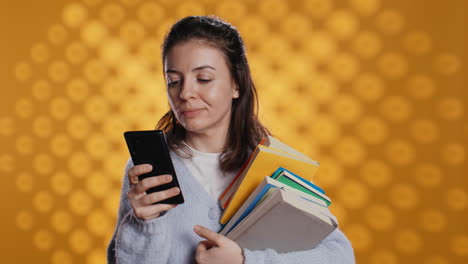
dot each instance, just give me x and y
(136, 240)
(335, 248)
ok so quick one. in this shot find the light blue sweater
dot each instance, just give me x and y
(171, 239)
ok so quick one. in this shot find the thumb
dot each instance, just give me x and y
(209, 235)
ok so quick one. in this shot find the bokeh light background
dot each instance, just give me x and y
(375, 90)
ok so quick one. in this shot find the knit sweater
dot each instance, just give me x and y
(170, 238)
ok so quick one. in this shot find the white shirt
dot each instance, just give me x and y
(205, 168)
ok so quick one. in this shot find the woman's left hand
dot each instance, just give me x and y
(217, 248)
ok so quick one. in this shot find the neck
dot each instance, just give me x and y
(213, 142)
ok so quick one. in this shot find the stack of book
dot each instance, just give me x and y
(272, 202)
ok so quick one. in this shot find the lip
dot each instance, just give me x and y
(190, 112)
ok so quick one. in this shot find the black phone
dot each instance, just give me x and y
(150, 147)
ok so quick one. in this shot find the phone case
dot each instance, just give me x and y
(150, 147)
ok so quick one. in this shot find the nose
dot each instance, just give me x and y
(188, 90)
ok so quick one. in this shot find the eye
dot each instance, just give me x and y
(204, 80)
(173, 83)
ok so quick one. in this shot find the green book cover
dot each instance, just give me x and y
(286, 180)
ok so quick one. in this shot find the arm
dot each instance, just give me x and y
(136, 240)
(335, 248)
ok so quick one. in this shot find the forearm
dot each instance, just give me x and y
(140, 241)
(136, 240)
(335, 248)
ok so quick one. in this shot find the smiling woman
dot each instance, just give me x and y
(207, 55)
(200, 96)
(212, 128)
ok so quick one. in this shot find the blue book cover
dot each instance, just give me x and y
(281, 169)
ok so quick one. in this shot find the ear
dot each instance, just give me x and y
(235, 92)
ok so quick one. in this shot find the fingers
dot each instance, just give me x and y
(200, 252)
(137, 194)
(153, 181)
(143, 204)
(212, 236)
(202, 248)
(152, 211)
(159, 196)
(138, 170)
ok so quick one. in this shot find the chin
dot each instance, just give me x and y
(194, 126)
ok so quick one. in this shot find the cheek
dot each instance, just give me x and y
(173, 104)
(219, 94)
(172, 97)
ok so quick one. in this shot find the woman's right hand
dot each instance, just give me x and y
(142, 203)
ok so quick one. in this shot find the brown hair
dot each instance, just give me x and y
(245, 130)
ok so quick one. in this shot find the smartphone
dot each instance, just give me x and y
(150, 147)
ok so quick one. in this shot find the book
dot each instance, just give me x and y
(263, 162)
(285, 176)
(279, 145)
(281, 170)
(268, 141)
(227, 194)
(285, 222)
(263, 190)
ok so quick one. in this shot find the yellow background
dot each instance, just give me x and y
(375, 90)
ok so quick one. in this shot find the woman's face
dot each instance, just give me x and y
(199, 86)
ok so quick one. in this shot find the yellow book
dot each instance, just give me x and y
(264, 162)
(269, 142)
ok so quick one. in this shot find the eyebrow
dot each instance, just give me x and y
(195, 69)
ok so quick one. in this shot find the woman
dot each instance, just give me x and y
(211, 129)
